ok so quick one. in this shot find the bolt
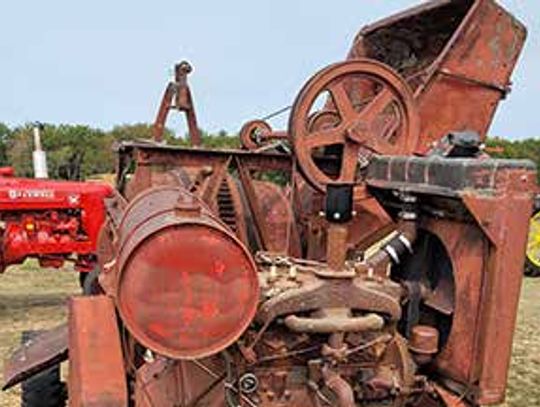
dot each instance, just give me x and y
(293, 273)
(370, 272)
(273, 273)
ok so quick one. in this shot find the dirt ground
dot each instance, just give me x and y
(35, 299)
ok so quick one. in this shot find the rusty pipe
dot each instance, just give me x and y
(276, 135)
(328, 325)
(341, 388)
(393, 251)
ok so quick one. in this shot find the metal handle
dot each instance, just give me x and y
(328, 325)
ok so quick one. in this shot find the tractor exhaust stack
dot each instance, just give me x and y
(39, 156)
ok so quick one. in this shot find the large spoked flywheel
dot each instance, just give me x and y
(372, 110)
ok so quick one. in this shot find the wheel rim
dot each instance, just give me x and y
(533, 244)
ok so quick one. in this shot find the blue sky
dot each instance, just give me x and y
(106, 62)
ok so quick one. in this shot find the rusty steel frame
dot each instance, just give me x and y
(471, 72)
(491, 243)
(328, 311)
(177, 96)
(96, 362)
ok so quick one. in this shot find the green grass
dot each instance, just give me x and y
(35, 299)
(524, 381)
(30, 298)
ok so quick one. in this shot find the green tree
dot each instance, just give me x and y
(137, 131)
(220, 140)
(5, 134)
(76, 151)
(73, 152)
(19, 151)
(515, 149)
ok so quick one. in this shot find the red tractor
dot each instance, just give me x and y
(52, 221)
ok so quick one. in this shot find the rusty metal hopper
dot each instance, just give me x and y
(457, 56)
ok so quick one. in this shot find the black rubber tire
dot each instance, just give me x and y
(82, 278)
(91, 285)
(45, 389)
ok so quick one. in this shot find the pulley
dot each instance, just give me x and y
(367, 109)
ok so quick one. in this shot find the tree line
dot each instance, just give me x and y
(76, 152)
(524, 149)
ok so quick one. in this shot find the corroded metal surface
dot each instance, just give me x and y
(278, 215)
(496, 196)
(257, 134)
(452, 53)
(176, 266)
(325, 276)
(46, 349)
(96, 366)
(177, 96)
(383, 120)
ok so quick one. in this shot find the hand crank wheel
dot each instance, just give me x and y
(373, 110)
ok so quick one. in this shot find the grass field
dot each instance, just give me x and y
(35, 299)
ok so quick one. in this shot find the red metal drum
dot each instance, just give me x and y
(187, 287)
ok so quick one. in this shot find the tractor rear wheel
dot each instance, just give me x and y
(532, 259)
(45, 389)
